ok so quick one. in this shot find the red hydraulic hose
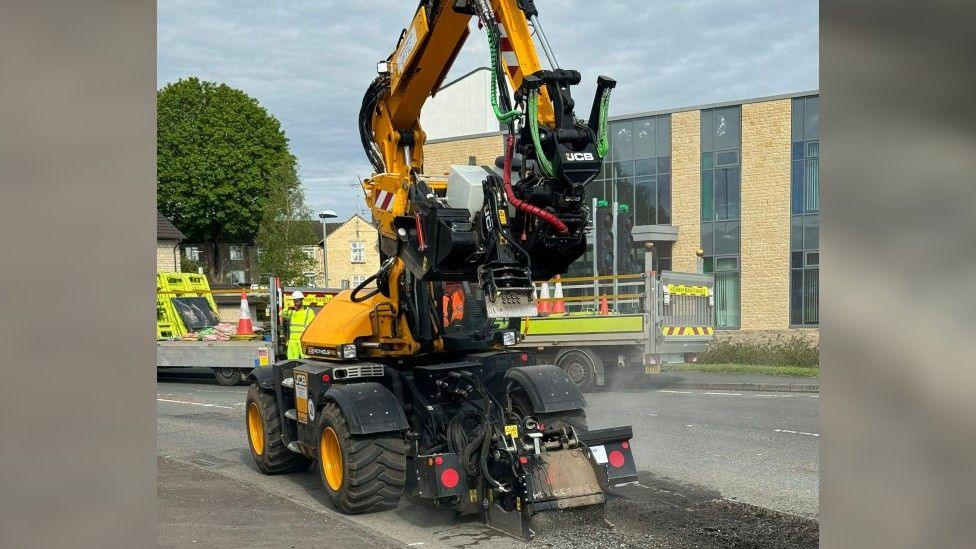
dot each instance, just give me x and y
(536, 211)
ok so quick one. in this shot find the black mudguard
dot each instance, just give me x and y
(368, 408)
(548, 388)
(264, 376)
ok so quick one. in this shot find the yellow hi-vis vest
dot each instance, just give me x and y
(298, 321)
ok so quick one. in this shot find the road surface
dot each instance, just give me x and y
(718, 468)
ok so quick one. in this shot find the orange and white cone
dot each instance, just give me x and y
(542, 305)
(244, 326)
(558, 306)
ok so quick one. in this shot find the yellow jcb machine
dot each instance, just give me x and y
(398, 395)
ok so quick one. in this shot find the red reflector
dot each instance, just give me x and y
(624, 445)
(326, 378)
(524, 357)
(616, 458)
(449, 478)
(523, 460)
(438, 460)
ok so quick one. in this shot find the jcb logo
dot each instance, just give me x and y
(574, 156)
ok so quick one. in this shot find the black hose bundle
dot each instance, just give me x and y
(374, 92)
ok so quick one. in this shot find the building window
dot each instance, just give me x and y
(344, 284)
(309, 252)
(357, 251)
(236, 277)
(192, 253)
(637, 169)
(310, 279)
(721, 146)
(357, 280)
(805, 209)
(236, 252)
(637, 174)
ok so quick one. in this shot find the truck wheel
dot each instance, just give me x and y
(580, 366)
(228, 377)
(361, 473)
(569, 418)
(264, 435)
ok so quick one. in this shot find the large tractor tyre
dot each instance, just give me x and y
(228, 377)
(361, 473)
(581, 367)
(522, 407)
(264, 435)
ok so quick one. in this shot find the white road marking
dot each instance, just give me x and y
(796, 432)
(725, 394)
(676, 392)
(416, 544)
(194, 403)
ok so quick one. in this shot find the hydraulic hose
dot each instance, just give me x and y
(521, 205)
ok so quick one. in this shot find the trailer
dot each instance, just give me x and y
(629, 322)
(232, 360)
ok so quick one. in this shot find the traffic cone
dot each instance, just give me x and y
(543, 303)
(558, 306)
(244, 326)
(604, 306)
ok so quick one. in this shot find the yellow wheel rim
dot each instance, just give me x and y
(330, 455)
(255, 428)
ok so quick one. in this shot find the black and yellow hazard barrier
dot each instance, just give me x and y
(687, 330)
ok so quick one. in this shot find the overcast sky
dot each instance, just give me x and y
(309, 62)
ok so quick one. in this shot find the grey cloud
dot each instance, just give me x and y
(308, 62)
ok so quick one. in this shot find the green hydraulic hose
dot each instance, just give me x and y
(534, 131)
(503, 117)
(602, 143)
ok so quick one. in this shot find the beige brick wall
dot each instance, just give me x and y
(438, 157)
(167, 256)
(686, 188)
(765, 242)
(341, 266)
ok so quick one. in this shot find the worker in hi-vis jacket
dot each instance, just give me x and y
(297, 317)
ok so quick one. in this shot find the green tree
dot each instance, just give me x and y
(286, 230)
(218, 152)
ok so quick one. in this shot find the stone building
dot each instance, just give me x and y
(739, 180)
(168, 239)
(353, 253)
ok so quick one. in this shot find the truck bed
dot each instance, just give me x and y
(213, 354)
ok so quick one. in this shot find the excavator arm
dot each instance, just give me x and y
(492, 228)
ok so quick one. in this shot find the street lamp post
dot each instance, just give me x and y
(323, 215)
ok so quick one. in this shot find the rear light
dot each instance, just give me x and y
(524, 357)
(523, 460)
(326, 378)
(450, 477)
(438, 460)
(616, 458)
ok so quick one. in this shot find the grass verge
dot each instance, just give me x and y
(757, 369)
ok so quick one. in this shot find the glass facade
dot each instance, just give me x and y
(805, 213)
(721, 177)
(636, 174)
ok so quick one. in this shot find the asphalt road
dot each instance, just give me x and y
(718, 469)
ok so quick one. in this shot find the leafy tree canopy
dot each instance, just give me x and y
(218, 153)
(286, 231)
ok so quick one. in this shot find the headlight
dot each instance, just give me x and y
(349, 351)
(508, 338)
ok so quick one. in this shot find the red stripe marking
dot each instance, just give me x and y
(506, 44)
(387, 199)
